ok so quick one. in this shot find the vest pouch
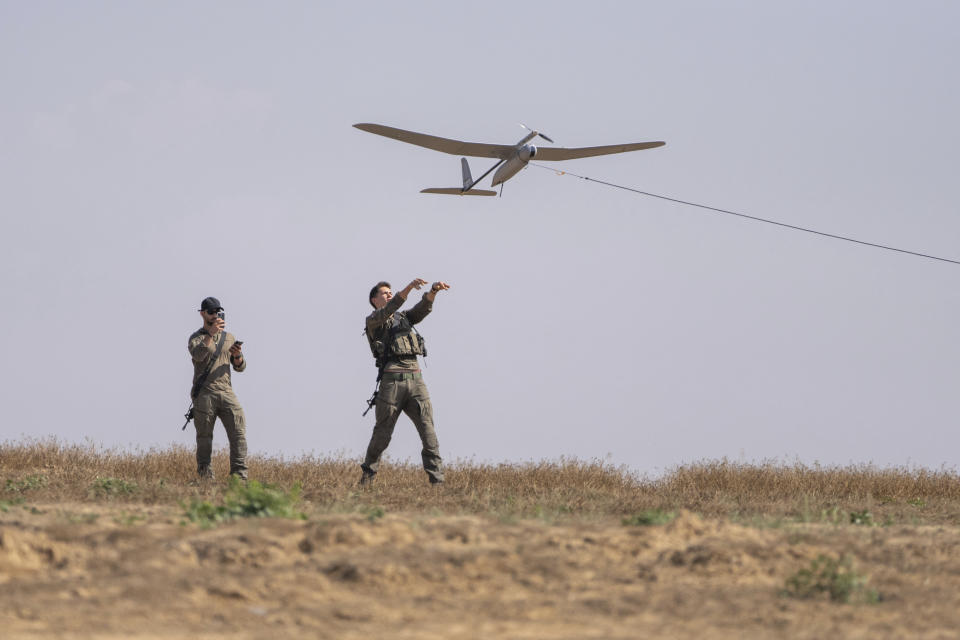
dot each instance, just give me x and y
(421, 343)
(406, 344)
(401, 345)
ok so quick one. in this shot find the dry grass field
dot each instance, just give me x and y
(115, 544)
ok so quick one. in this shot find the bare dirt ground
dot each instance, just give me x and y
(80, 570)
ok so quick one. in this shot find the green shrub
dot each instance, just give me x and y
(649, 517)
(6, 504)
(35, 481)
(835, 578)
(246, 500)
(112, 487)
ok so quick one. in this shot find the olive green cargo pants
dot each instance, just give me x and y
(209, 406)
(404, 392)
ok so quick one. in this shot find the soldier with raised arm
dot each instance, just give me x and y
(214, 352)
(395, 344)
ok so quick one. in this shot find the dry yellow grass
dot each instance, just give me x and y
(763, 493)
(95, 543)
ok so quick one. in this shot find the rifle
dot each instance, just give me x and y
(195, 390)
(373, 398)
(381, 362)
(189, 416)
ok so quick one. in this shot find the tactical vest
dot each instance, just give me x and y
(396, 339)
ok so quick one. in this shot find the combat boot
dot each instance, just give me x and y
(366, 479)
(205, 473)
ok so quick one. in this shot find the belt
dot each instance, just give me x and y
(396, 376)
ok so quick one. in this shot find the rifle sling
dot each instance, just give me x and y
(195, 391)
(383, 363)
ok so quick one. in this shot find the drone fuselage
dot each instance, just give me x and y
(514, 164)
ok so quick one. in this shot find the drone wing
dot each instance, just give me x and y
(559, 153)
(446, 145)
(457, 191)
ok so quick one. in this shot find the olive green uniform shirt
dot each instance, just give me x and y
(219, 378)
(381, 318)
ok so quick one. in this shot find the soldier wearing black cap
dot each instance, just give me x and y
(215, 398)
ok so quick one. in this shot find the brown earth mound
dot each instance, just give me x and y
(69, 570)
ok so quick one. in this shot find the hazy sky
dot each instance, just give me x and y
(153, 154)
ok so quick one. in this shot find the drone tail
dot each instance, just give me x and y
(457, 191)
(468, 183)
(467, 178)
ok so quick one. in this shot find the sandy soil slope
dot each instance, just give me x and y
(72, 571)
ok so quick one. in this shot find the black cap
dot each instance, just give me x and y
(210, 305)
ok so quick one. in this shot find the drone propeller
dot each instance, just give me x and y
(544, 136)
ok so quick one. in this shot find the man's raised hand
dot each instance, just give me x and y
(216, 326)
(415, 284)
(434, 288)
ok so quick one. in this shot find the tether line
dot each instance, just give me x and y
(749, 217)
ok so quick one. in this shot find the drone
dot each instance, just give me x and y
(511, 157)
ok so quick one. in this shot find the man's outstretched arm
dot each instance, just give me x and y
(425, 306)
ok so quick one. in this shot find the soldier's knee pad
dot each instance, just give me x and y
(237, 422)
(386, 413)
(204, 423)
